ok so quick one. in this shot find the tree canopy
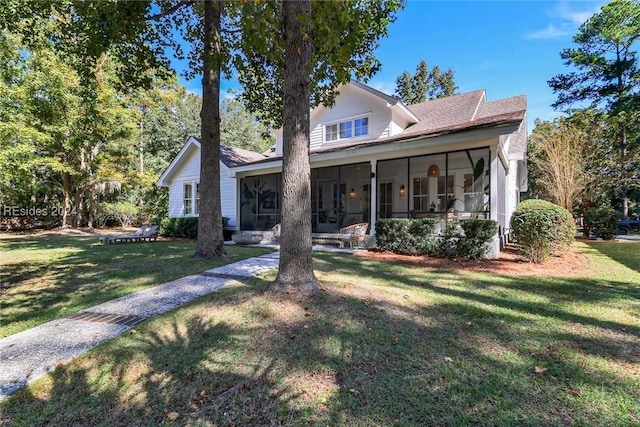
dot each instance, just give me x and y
(425, 84)
(607, 78)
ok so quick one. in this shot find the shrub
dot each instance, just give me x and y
(179, 227)
(187, 227)
(421, 236)
(477, 234)
(603, 221)
(541, 227)
(445, 245)
(392, 234)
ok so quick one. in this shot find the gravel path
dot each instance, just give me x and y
(28, 355)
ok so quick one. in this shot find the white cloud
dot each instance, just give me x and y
(384, 87)
(566, 17)
(577, 17)
(550, 32)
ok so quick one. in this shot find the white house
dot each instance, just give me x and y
(374, 157)
(182, 177)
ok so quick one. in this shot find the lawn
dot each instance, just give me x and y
(45, 277)
(382, 344)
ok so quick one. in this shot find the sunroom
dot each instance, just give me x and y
(446, 186)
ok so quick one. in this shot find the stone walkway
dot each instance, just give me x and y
(28, 355)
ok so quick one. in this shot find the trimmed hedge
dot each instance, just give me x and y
(185, 227)
(477, 234)
(417, 236)
(603, 221)
(392, 234)
(540, 228)
(421, 235)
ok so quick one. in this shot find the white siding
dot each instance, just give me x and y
(352, 102)
(397, 124)
(175, 199)
(189, 172)
(228, 192)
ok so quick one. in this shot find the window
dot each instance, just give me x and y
(474, 197)
(191, 198)
(386, 200)
(188, 198)
(197, 198)
(332, 132)
(421, 194)
(361, 126)
(444, 196)
(347, 129)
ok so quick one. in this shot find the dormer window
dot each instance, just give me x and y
(347, 129)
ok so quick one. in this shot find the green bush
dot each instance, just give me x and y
(179, 227)
(603, 221)
(541, 227)
(445, 245)
(421, 237)
(477, 234)
(392, 234)
(187, 227)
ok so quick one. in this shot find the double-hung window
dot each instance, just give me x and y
(346, 129)
(197, 204)
(188, 198)
(191, 199)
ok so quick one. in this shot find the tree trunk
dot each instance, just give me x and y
(66, 194)
(210, 238)
(296, 260)
(623, 174)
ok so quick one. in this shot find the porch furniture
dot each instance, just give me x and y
(148, 234)
(354, 233)
(109, 239)
(276, 232)
(249, 237)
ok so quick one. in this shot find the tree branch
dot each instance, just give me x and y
(170, 11)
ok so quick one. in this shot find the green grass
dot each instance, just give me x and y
(45, 277)
(383, 344)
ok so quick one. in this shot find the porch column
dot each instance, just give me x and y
(493, 199)
(493, 187)
(374, 196)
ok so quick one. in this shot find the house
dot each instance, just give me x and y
(182, 177)
(374, 157)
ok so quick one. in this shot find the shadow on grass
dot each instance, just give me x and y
(623, 252)
(441, 356)
(61, 275)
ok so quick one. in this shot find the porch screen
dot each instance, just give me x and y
(260, 202)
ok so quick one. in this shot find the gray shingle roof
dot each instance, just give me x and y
(456, 113)
(232, 156)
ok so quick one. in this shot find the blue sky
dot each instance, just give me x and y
(508, 48)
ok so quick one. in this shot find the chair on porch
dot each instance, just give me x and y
(276, 232)
(354, 233)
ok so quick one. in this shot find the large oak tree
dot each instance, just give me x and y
(295, 55)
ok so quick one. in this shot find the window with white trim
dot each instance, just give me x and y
(188, 198)
(346, 129)
(197, 205)
(191, 199)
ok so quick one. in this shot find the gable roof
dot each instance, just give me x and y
(454, 114)
(229, 157)
(393, 103)
(446, 112)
